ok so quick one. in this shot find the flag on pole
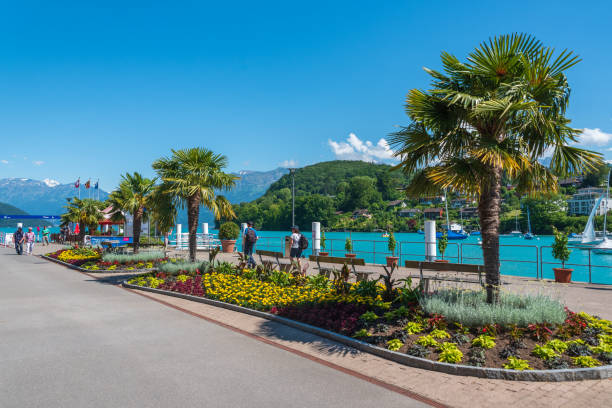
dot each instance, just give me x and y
(88, 184)
(96, 186)
(78, 183)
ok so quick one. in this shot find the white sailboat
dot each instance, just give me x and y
(605, 247)
(529, 235)
(588, 235)
(517, 232)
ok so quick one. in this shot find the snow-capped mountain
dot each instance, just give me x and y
(51, 183)
(41, 197)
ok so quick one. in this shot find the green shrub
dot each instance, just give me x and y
(229, 231)
(361, 334)
(560, 250)
(470, 308)
(368, 317)
(413, 327)
(517, 364)
(348, 245)
(484, 341)
(427, 341)
(442, 244)
(558, 345)
(449, 353)
(585, 361)
(140, 257)
(544, 352)
(439, 334)
(180, 266)
(394, 344)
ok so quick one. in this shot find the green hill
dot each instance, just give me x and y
(11, 210)
(323, 191)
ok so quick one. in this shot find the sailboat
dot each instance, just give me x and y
(450, 234)
(528, 235)
(588, 237)
(517, 232)
(605, 247)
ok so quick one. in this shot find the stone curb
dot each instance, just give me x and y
(77, 268)
(577, 374)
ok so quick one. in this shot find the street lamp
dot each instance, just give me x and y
(292, 172)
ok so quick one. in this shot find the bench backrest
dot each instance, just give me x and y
(338, 260)
(445, 267)
(269, 253)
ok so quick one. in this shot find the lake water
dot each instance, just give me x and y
(519, 257)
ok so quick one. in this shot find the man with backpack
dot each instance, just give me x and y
(19, 238)
(249, 239)
(298, 244)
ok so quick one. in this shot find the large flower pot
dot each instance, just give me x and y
(321, 253)
(441, 260)
(392, 261)
(350, 255)
(228, 245)
(563, 275)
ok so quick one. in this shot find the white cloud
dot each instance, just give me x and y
(288, 163)
(4, 161)
(38, 162)
(357, 149)
(594, 137)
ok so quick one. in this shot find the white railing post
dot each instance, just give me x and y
(316, 238)
(179, 237)
(430, 240)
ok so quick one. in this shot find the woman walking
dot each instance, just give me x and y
(30, 239)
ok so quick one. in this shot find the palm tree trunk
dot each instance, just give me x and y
(81, 235)
(488, 210)
(193, 214)
(137, 228)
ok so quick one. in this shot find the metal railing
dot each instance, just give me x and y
(501, 259)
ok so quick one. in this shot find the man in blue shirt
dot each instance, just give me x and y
(249, 239)
(18, 238)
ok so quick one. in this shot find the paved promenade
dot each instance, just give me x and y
(68, 340)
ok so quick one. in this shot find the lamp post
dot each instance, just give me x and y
(292, 172)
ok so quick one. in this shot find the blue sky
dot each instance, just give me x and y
(94, 90)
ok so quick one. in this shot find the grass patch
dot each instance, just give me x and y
(140, 257)
(470, 308)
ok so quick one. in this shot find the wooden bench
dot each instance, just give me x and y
(336, 260)
(276, 255)
(442, 268)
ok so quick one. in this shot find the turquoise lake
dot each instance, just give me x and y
(519, 257)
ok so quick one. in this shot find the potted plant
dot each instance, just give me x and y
(323, 253)
(348, 246)
(392, 260)
(228, 232)
(442, 244)
(561, 252)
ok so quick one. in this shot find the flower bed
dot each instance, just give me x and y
(75, 256)
(396, 320)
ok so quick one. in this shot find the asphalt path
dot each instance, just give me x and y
(67, 340)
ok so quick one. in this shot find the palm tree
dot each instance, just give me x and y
(85, 212)
(193, 176)
(134, 196)
(163, 210)
(496, 114)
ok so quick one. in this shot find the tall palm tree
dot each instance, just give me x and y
(497, 113)
(134, 195)
(85, 212)
(194, 176)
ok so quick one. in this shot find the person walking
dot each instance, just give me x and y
(30, 239)
(45, 236)
(250, 239)
(18, 238)
(296, 249)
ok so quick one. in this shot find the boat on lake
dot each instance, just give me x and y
(529, 235)
(605, 246)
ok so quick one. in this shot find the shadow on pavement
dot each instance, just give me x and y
(280, 331)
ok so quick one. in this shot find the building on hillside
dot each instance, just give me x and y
(409, 212)
(361, 213)
(339, 212)
(469, 212)
(571, 182)
(459, 202)
(433, 213)
(396, 204)
(431, 200)
(584, 200)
